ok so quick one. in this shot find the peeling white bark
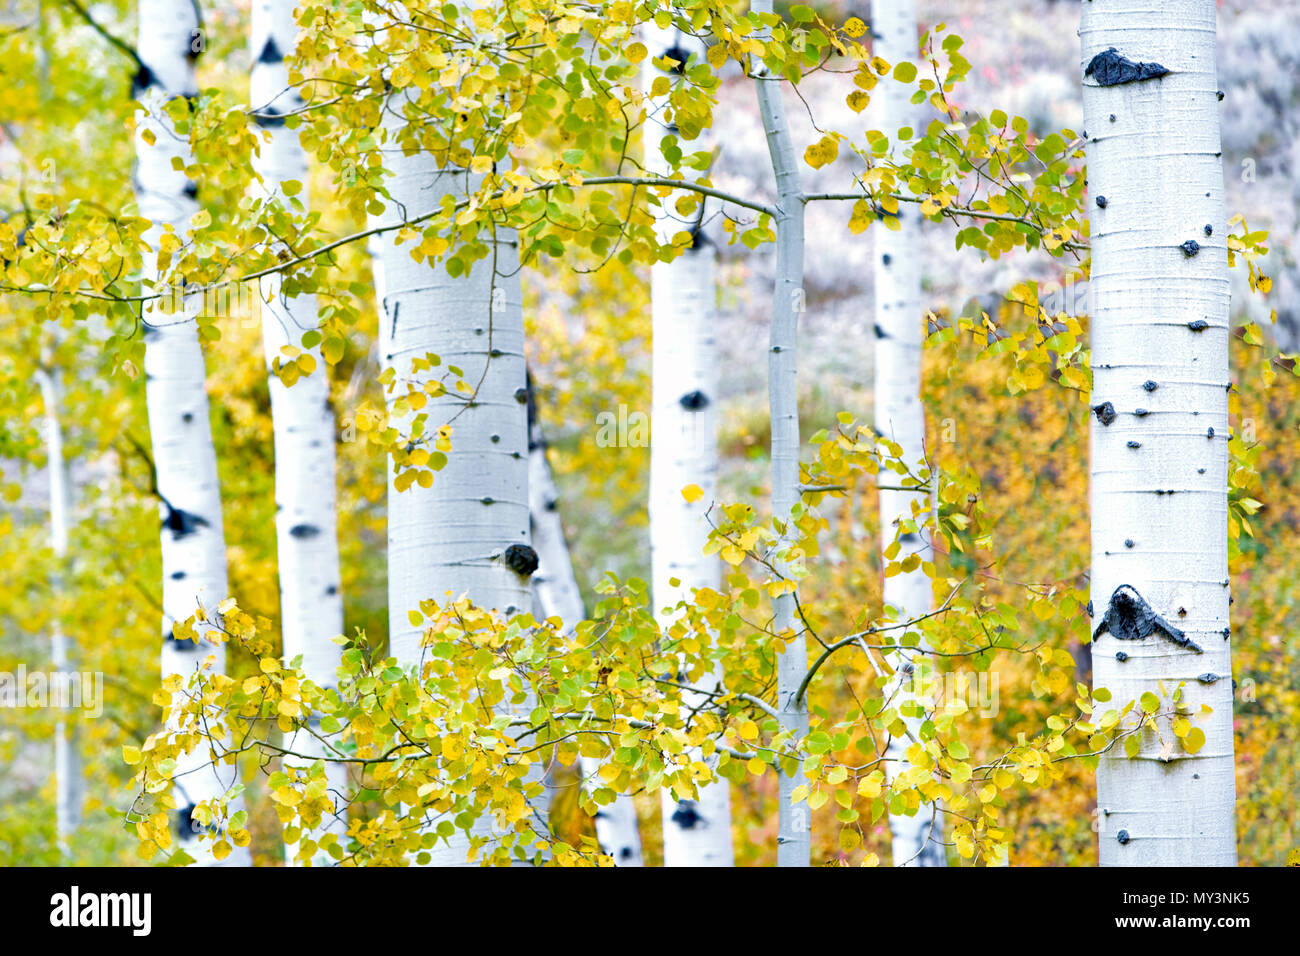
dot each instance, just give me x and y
(1160, 467)
(794, 843)
(451, 539)
(557, 594)
(899, 415)
(193, 541)
(311, 602)
(683, 445)
(68, 782)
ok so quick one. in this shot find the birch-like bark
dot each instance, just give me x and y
(68, 783)
(794, 844)
(193, 540)
(900, 416)
(558, 595)
(683, 444)
(1160, 332)
(451, 539)
(306, 521)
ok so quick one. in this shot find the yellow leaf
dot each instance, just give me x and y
(822, 153)
(869, 787)
(692, 493)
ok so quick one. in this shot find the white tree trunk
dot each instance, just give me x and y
(1160, 333)
(68, 783)
(683, 446)
(794, 843)
(311, 602)
(193, 541)
(452, 538)
(898, 411)
(558, 595)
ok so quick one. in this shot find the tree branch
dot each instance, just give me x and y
(853, 638)
(121, 45)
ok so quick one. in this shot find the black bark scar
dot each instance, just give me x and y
(693, 401)
(521, 559)
(182, 523)
(1108, 68)
(270, 52)
(685, 816)
(1129, 618)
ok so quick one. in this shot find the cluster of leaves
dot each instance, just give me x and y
(452, 748)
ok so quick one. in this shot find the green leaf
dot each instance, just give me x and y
(818, 742)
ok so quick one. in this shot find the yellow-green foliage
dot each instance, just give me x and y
(553, 125)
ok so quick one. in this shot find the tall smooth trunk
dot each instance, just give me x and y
(306, 519)
(453, 538)
(193, 539)
(557, 593)
(898, 412)
(68, 783)
(683, 447)
(1160, 333)
(794, 839)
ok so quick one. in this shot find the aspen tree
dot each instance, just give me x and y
(683, 440)
(794, 844)
(68, 783)
(462, 530)
(1160, 331)
(900, 418)
(306, 521)
(193, 540)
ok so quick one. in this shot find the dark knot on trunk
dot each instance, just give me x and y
(1128, 617)
(521, 559)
